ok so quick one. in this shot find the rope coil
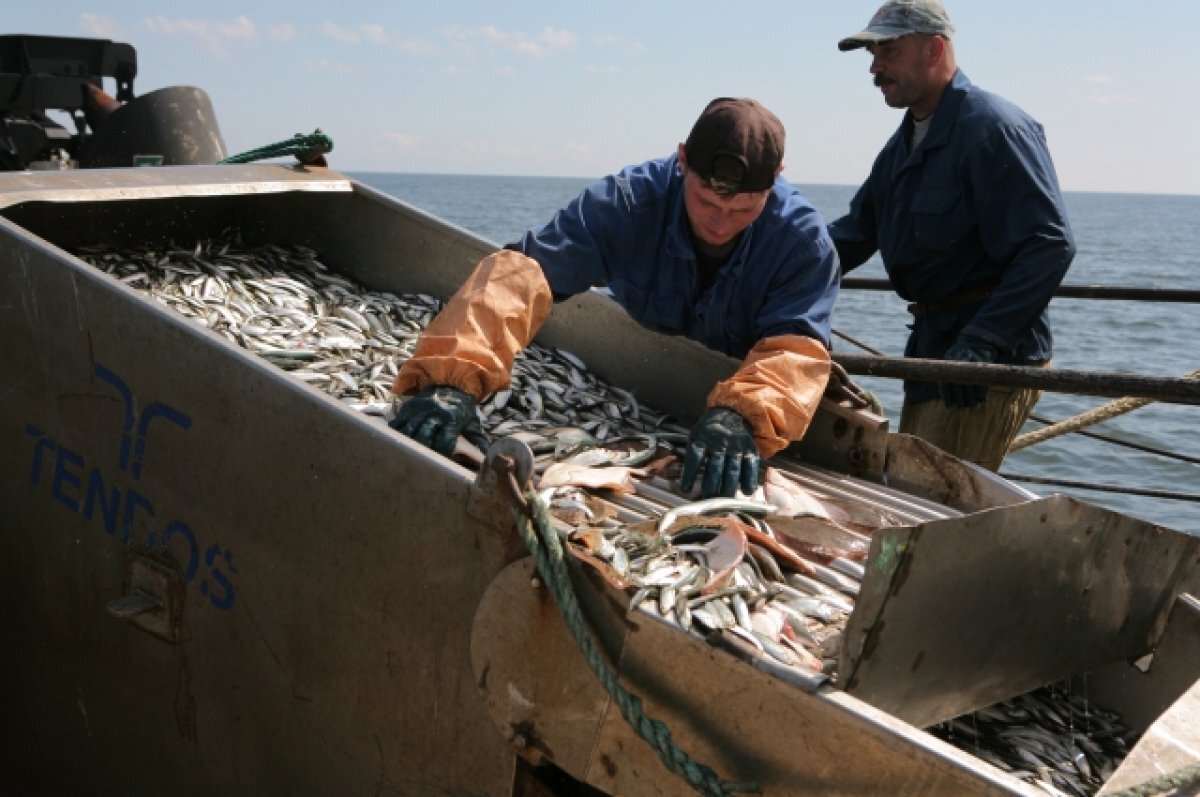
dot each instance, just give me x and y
(308, 149)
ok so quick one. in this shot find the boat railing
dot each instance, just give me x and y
(1131, 391)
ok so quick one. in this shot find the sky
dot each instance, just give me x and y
(577, 89)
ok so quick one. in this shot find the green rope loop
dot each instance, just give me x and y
(306, 148)
(548, 553)
(1185, 776)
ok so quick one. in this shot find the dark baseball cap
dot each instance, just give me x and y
(897, 18)
(736, 146)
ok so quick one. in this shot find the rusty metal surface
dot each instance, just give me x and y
(119, 185)
(1167, 747)
(1141, 692)
(722, 712)
(1085, 383)
(962, 613)
(913, 465)
(175, 125)
(847, 440)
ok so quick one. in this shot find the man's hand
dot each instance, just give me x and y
(437, 415)
(971, 349)
(722, 445)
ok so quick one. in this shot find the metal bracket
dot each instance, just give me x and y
(505, 473)
(846, 439)
(153, 598)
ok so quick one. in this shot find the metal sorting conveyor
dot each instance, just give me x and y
(330, 589)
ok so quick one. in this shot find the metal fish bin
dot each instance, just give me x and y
(220, 579)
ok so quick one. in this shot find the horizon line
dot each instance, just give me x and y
(1124, 192)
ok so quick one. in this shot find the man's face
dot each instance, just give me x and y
(901, 70)
(717, 219)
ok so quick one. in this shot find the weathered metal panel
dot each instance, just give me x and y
(749, 726)
(1164, 750)
(1141, 691)
(917, 466)
(962, 613)
(330, 568)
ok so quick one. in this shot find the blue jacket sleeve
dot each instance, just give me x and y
(854, 234)
(574, 245)
(1022, 222)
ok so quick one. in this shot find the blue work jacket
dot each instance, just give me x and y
(629, 232)
(975, 207)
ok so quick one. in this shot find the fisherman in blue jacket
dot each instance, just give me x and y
(710, 242)
(964, 207)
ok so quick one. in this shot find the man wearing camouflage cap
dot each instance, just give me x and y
(964, 207)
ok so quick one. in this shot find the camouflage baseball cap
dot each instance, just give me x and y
(897, 18)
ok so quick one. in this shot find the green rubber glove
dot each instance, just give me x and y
(971, 349)
(722, 445)
(437, 415)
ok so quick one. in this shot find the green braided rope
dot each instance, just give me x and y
(549, 555)
(1175, 780)
(304, 147)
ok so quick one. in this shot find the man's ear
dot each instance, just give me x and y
(937, 50)
(682, 158)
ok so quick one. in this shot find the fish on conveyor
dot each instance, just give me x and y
(789, 498)
(616, 478)
(819, 538)
(628, 451)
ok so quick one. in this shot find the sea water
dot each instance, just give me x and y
(1124, 240)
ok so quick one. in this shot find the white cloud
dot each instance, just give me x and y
(1110, 98)
(240, 28)
(616, 42)
(414, 46)
(374, 33)
(340, 33)
(371, 32)
(214, 35)
(391, 141)
(282, 31)
(100, 27)
(337, 67)
(475, 146)
(538, 45)
(1098, 93)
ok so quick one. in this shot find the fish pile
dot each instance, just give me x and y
(717, 569)
(771, 577)
(784, 594)
(1051, 738)
(283, 304)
